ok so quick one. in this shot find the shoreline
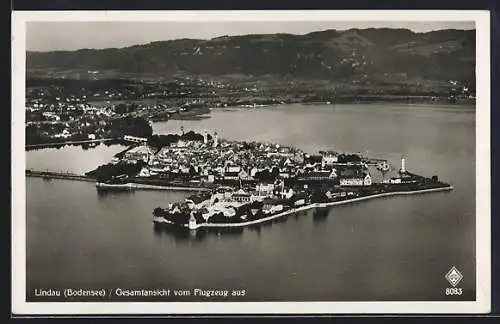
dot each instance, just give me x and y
(160, 220)
(205, 113)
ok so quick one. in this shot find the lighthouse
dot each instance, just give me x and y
(403, 165)
(205, 137)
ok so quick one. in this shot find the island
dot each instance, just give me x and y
(241, 183)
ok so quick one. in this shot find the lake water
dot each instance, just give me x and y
(396, 248)
(73, 159)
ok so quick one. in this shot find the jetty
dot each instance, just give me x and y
(132, 184)
(57, 175)
(142, 186)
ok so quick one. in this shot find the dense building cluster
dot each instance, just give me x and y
(215, 160)
(246, 176)
(79, 110)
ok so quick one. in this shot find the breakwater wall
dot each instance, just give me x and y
(58, 175)
(306, 207)
(174, 188)
(133, 186)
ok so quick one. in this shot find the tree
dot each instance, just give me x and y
(121, 109)
(158, 212)
(33, 135)
(133, 107)
(108, 171)
(264, 176)
(199, 217)
(343, 158)
(192, 136)
(318, 196)
(180, 219)
(134, 126)
(218, 218)
(256, 205)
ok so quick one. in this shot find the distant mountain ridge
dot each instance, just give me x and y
(330, 54)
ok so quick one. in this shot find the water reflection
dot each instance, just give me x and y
(185, 235)
(180, 234)
(227, 232)
(320, 215)
(84, 146)
(255, 228)
(101, 194)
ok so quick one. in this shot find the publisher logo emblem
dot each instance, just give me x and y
(454, 276)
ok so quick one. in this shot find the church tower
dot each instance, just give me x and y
(216, 140)
(192, 222)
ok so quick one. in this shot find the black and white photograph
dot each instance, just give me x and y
(251, 162)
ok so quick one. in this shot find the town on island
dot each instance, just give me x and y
(240, 183)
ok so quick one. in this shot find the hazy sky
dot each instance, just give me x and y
(48, 36)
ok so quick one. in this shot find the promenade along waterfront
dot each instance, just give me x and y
(394, 248)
